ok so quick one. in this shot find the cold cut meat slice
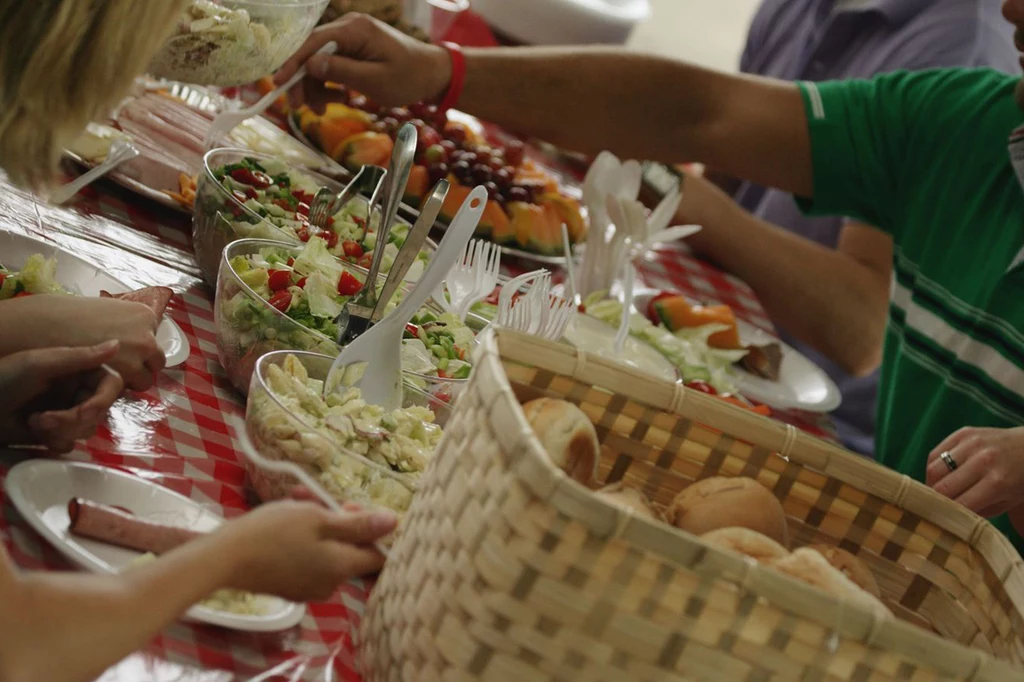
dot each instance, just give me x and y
(116, 527)
(156, 298)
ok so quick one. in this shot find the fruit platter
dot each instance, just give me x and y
(528, 203)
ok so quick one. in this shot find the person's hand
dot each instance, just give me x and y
(703, 202)
(53, 321)
(54, 396)
(989, 474)
(379, 61)
(301, 551)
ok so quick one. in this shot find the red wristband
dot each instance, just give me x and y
(451, 97)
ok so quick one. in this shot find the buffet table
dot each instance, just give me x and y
(180, 433)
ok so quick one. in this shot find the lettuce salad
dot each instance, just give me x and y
(38, 276)
(687, 348)
(275, 194)
(311, 289)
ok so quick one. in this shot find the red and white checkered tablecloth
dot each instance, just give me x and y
(178, 433)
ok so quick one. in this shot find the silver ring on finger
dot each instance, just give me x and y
(948, 459)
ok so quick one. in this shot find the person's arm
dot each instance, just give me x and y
(833, 300)
(585, 98)
(66, 627)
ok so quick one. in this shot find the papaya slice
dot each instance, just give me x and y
(418, 185)
(361, 149)
(675, 312)
(568, 211)
(265, 85)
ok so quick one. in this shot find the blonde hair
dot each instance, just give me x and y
(64, 63)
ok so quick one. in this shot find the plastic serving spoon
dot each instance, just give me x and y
(373, 361)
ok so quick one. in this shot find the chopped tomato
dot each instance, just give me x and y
(283, 203)
(331, 237)
(301, 283)
(410, 328)
(652, 314)
(702, 387)
(21, 294)
(762, 410)
(281, 300)
(330, 221)
(361, 222)
(2, 278)
(255, 178)
(250, 193)
(303, 208)
(581, 308)
(441, 374)
(492, 297)
(303, 234)
(291, 262)
(278, 280)
(352, 249)
(348, 285)
(365, 261)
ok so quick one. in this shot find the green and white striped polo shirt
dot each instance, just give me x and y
(924, 157)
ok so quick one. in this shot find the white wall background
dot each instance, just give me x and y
(706, 32)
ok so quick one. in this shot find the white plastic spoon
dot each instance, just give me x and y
(373, 361)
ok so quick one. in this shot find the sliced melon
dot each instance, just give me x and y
(568, 211)
(362, 149)
(418, 186)
(675, 312)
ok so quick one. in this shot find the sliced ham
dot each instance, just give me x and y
(156, 298)
(115, 526)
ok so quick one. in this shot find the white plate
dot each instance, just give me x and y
(802, 384)
(40, 490)
(82, 277)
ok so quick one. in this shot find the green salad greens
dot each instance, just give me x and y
(37, 276)
(298, 297)
(687, 348)
(275, 193)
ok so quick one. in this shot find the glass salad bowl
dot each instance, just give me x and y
(252, 319)
(242, 194)
(235, 42)
(358, 455)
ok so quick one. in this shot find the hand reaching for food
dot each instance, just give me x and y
(981, 468)
(54, 396)
(301, 551)
(45, 321)
(386, 65)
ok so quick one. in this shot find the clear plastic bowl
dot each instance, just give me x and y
(240, 50)
(218, 218)
(278, 433)
(248, 326)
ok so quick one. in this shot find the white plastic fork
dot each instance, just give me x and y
(461, 279)
(486, 268)
(227, 121)
(556, 317)
(508, 290)
(120, 151)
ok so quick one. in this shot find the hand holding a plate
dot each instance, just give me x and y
(54, 321)
(54, 396)
(981, 468)
(301, 551)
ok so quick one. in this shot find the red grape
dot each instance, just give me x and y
(379, 127)
(456, 135)
(518, 193)
(358, 102)
(418, 109)
(398, 113)
(449, 146)
(503, 177)
(497, 163)
(483, 155)
(391, 124)
(437, 171)
(492, 189)
(515, 153)
(481, 173)
(462, 155)
(461, 170)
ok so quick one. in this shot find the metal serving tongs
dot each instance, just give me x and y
(363, 303)
(359, 323)
(368, 181)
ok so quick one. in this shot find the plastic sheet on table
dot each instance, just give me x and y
(132, 256)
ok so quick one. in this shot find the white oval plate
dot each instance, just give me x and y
(40, 490)
(802, 384)
(82, 277)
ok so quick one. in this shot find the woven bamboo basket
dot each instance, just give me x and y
(509, 571)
